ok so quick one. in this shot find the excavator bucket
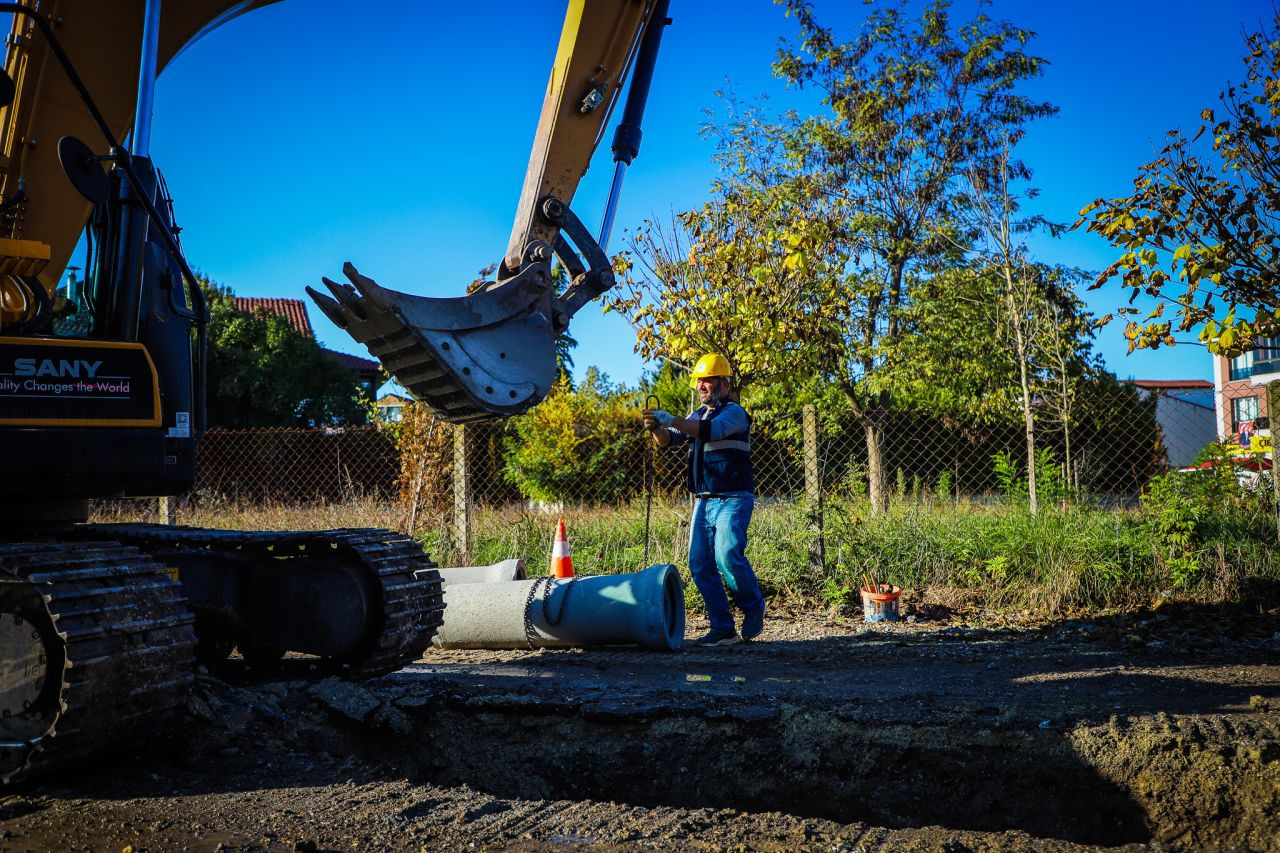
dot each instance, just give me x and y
(469, 358)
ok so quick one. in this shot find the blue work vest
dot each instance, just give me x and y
(718, 467)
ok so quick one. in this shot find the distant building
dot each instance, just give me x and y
(391, 407)
(1185, 415)
(368, 373)
(1240, 392)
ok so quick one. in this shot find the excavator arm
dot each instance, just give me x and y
(492, 353)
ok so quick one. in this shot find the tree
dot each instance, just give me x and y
(1201, 230)
(580, 444)
(1027, 296)
(996, 341)
(726, 277)
(262, 372)
(821, 229)
(915, 109)
(670, 384)
(1065, 348)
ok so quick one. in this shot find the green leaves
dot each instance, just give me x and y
(264, 373)
(1217, 206)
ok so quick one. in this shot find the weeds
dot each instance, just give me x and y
(1206, 545)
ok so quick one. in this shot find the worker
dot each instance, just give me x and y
(718, 435)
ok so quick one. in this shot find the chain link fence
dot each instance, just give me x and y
(296, 465)
(1113, 446)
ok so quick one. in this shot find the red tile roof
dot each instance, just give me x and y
(1172, 383)
(293, 310)
(354, 362)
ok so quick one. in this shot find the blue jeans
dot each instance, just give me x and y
(718, 559)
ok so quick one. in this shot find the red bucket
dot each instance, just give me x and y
(881, 606)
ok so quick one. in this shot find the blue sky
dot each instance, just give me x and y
(304, 135)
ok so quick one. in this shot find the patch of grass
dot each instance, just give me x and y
(226, 515)
(1061, 559)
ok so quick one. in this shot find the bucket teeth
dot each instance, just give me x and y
(471, 358)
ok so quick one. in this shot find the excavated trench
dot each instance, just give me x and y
(1092, 746)
(806, 763)
(1197, 782)
(816, 739)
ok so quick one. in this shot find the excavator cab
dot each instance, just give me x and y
(491, 354)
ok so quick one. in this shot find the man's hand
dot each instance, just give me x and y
(656, 419)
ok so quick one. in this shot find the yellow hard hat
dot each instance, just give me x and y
(711, 364)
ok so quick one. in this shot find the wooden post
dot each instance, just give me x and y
(813, 490)
(462, 491)
(167, 507)
(1273, 412)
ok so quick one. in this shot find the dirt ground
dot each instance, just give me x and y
(1129, 731)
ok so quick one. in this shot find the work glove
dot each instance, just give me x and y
(656, 419)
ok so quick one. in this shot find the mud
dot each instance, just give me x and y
(1130, 731)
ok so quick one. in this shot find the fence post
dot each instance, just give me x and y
(813, 490)
(166, 509)
(1273, 412)
(462, 490)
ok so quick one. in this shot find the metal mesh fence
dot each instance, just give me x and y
(296, 465)
(1107, 453)
(1110, 451)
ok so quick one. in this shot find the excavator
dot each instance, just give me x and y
(103, 381)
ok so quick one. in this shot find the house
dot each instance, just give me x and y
(1240, 394)
(1185, 415)
(368, 373)
(391, 407)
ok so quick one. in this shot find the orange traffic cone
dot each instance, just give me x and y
(561, 562)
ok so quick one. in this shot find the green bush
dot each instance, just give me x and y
(580, 444)
(1191, 515)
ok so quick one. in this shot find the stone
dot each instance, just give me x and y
(347, 699)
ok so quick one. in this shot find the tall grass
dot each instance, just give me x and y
(1062, 558)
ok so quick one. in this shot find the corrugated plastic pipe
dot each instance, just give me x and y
(644, 608)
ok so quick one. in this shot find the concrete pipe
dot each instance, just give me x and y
(645, 608)
(507, 570)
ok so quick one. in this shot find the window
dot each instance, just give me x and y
(1264, 358)
(1243, 409)
(1242, 366)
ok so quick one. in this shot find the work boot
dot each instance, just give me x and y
(752, 624)
(719, 638)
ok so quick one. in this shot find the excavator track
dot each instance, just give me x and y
(409, 591)
(96, 642)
